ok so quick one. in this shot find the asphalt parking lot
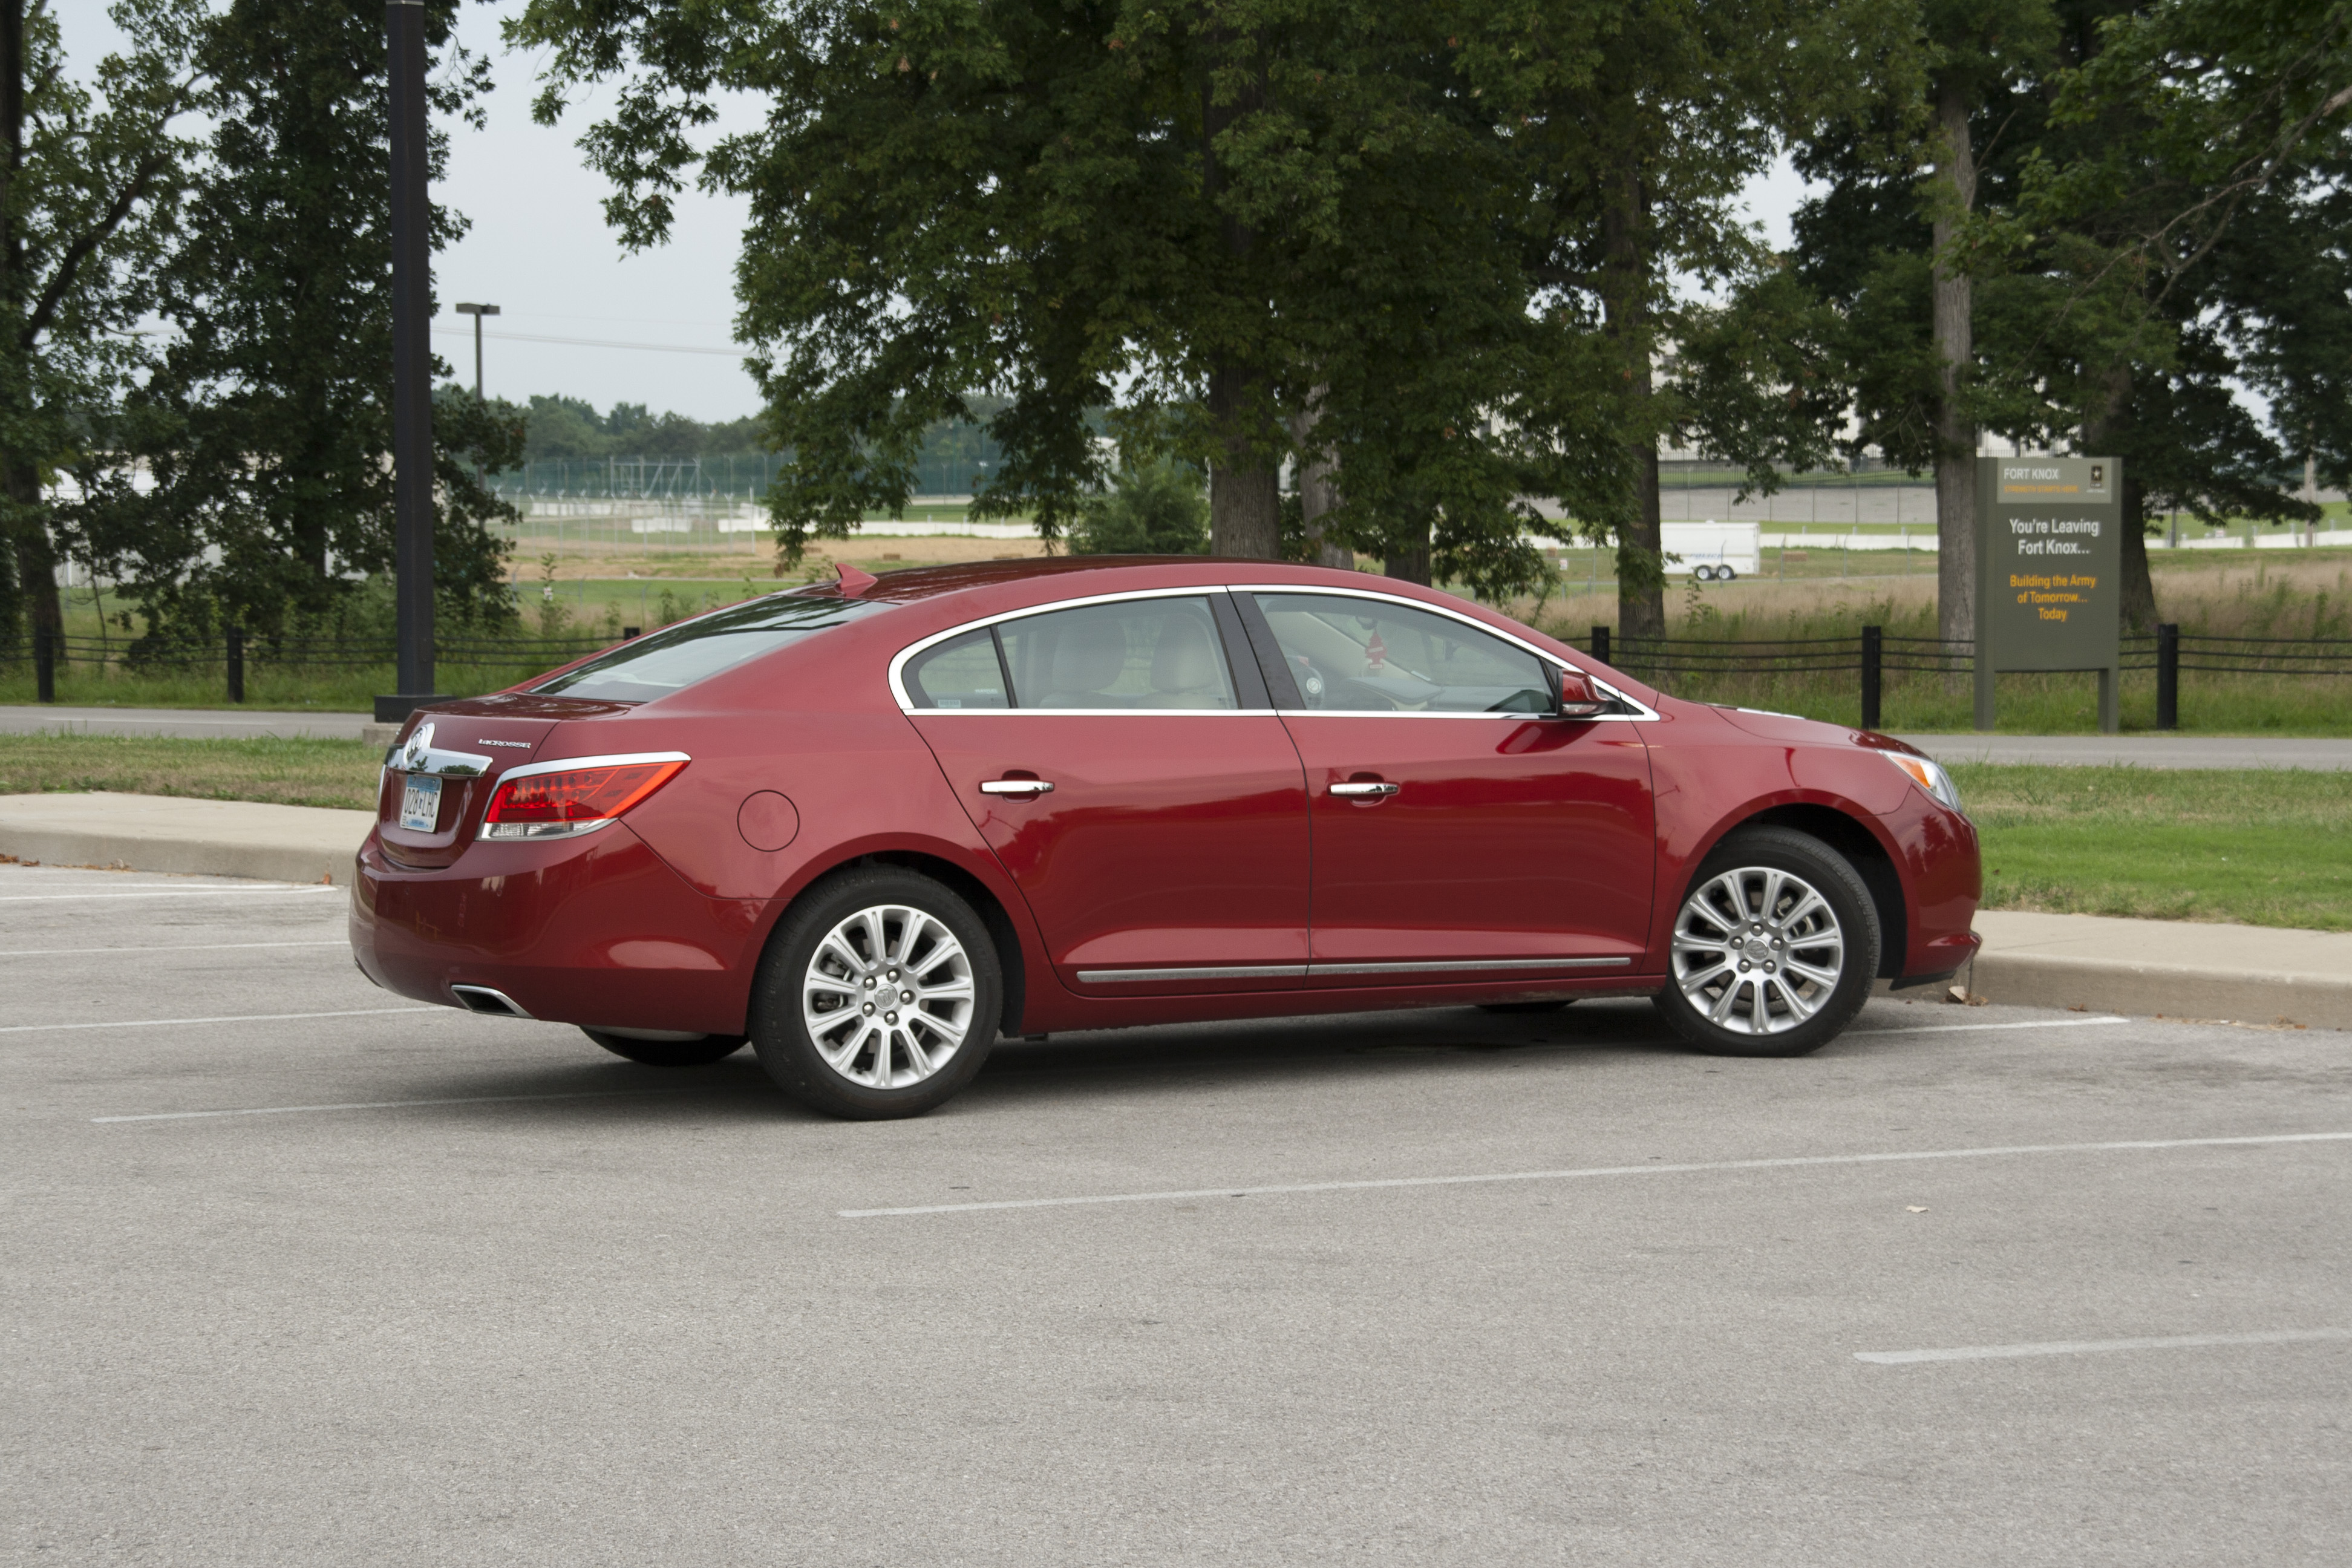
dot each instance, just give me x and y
(299, 1272)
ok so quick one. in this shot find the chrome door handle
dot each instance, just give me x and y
(1016, 786)
(1360, 791)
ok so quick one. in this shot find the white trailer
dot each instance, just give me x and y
(1712, 552)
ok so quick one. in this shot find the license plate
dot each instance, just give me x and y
(420, 805)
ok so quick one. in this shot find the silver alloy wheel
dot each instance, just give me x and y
(888, 999)
(1758, 950)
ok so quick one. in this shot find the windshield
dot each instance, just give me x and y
(677, 657)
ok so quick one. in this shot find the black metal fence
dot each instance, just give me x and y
(1869, 656)
(1872, 655)
(236, 653)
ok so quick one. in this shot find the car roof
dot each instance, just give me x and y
(907, 583)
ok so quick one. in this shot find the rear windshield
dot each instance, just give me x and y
(677, 657)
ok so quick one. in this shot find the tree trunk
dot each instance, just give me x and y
(35, 560)
(1407, 565)
(2138, 585)
(1244, 489)
(34, 602)
(1318, 494)
(1955, 436)
(1641, 578)
(1641, 553)
(2137, 588)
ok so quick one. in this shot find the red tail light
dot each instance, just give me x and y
(553, 800)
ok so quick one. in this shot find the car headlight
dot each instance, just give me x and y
(1929, 776)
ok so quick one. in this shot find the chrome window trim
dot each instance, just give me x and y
(1642, 712)
(899, 662)
(1311, 970)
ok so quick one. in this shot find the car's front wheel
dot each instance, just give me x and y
(1774, 949)
(878, 997)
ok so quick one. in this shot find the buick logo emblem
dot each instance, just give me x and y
(419, 745)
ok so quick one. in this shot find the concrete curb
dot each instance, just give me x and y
(2181, 969)
(204, 838)
(2115, 985)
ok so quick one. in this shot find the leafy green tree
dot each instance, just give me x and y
(1157, 509)
(1193, 219)
(1888, 246)
(2152, 217)
(1634, 128)
(2178, 230)
(90, 181)
(267, 424)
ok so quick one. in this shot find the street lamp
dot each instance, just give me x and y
(477, 312)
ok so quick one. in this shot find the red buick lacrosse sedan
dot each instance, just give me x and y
(870, 826)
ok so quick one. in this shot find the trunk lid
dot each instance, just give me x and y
(455, 752)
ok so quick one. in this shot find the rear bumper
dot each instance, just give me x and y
(593, 931)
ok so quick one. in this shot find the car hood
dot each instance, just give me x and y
(1790, 727)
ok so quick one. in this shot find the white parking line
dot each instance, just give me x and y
(175, 947)
(2095, 1347)
(171, 894)
(1963, 1029)
(225, 1018)
(394, 1104)
(1785, 1164)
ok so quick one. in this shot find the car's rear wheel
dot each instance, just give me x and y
(1774, 947)
(878, 997)
(693, 1052)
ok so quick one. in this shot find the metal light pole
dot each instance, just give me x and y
(477, 312)
(411, 362)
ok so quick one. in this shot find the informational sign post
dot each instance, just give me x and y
(2049, 573)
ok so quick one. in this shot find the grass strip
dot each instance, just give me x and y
(2258, 846)
(283, 771)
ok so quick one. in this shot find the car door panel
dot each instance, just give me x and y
(1456, 825)
(1170, 855)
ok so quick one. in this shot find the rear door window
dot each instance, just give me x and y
(1145, 654)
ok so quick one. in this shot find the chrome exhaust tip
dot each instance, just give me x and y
(482, 999)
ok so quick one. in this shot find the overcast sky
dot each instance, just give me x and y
(539, 249)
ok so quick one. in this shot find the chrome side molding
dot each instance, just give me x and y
(1308, 971)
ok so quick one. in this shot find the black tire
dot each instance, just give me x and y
(700, 1052)
(1726, 575)
(1508, 1008)
(796, 1060)
(1701, 971)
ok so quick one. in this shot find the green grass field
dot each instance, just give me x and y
(2257, 847)
(284, 772)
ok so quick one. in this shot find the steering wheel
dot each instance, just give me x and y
(1314, 686)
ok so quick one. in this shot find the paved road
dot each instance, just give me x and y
(186, 723)
(2332, 755)
(459, 1290)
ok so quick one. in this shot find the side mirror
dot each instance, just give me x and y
(1576, 698)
